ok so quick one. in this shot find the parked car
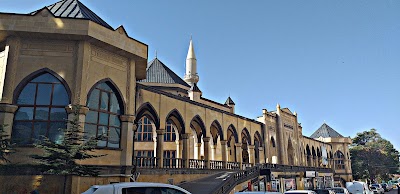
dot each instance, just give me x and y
(340, 190)
(375, 190)
(379, 188)
(358, 187)
(136, 187)
(257, 192)
(386, 187)
(300, 192)
(324, 191)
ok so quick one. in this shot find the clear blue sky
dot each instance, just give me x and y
(333, 61)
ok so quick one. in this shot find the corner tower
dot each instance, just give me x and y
(191, 76)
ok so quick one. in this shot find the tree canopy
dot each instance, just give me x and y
(373, 157)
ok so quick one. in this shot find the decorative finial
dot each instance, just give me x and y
(278, 106)
(156, 54)
(190, 36)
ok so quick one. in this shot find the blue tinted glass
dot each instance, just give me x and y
(113, 139)
(24, 113)
(114, 105)
(60, 95)
(139, 129)
(104, 101)
(56, 132)
(93, 102)
(43, 94)
(39, 130)
(47, 77)
(102, 132)
(58, 114)
(90, 131)
(104, 86)
(103, 120)
(91, 117)
(21, 133)
(27, 95)
(42, 114)
(114, 121)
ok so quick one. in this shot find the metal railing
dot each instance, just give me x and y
(238, 178)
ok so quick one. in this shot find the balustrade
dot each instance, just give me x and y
(146, 162)
(233, 165)
(216, 164)
(173, 163)
(197, 164)
(246, 165)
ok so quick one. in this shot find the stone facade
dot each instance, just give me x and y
(84, 57)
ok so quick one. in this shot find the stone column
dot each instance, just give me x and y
(252, 159)
(160, 147)
(197, 147)
(228, 153)
(238, 147)
(213, 151)
(7, 117)
(127, 130)
(206, 141)
(261, 155)
(178, 149)
(12, 51)
(223, 152)
(185, 154)
(82, 114)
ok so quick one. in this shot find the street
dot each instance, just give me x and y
(393, 191)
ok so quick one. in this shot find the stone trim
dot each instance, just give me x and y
(8, 108)
(127, 118)
(83, 110)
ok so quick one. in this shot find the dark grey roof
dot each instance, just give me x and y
(194, 88)
(74, 9)
(229, 101)
(325, 131)
(157, 72)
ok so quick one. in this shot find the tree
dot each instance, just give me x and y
(373, 157)
(5, 145)
(60, 158)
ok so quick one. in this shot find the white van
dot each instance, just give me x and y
(136, 187)
(358, 187)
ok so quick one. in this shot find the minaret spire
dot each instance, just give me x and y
(191, 76)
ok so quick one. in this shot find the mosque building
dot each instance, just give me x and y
(157, 126)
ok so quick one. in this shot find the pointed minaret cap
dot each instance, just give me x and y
(278, 106)
(229, 101)
(295, 113)
(191, 54)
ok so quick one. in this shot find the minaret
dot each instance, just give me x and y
(191, 76)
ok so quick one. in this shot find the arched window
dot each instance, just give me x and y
(169, 135)
(145, 130)
(339, 160)
(41, 110)
(102, 120)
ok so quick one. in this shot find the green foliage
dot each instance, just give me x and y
(6, 147)
(61, 157)
(373, 157)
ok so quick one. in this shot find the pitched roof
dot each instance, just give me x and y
(325, 131)
(195, 88)
(229, 101)
(74, 9)
(157, 72)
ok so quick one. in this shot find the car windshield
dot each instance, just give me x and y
(373, 188)
(338, 190)
(322, 191)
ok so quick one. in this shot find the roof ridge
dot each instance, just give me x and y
(159, 76)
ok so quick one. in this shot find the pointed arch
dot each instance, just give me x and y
(114, 88)
(313, 151)
(339, 160)
(106, 105)
(216, 130)
(257, 144)
(257, 137)
(245, 135)
(198, 125)
(176, 118)
(231, 133)
(36, 74)
(41, 99)
(147, 110)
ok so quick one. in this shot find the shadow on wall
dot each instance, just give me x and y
(23, 184)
